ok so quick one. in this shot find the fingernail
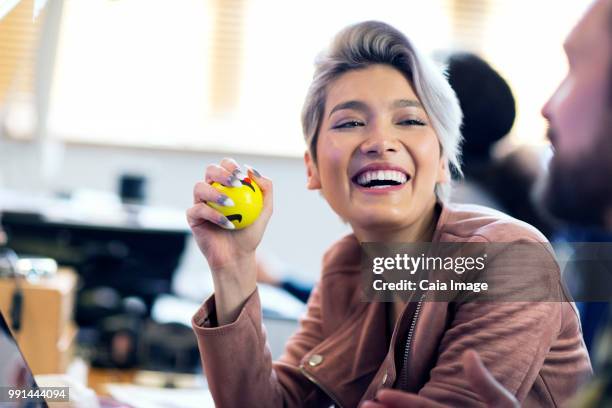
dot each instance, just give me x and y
(255, 172)
(225, 201)
(225, 223)
(238, 173)
(234, 182)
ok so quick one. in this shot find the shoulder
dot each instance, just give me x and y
(467, 222)
(339, 284)
(344, 255)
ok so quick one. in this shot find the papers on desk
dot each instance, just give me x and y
(275, 302)
(151, 397)
(94, 208)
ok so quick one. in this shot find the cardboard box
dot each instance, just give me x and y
(47, 333)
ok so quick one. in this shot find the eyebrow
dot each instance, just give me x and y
(363, 107)
(406, 103)
(354, 105)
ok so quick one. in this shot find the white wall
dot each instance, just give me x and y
(300, 230)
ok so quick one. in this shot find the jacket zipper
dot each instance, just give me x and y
(325, 390)
(403, 383)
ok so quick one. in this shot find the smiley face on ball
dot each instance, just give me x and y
(248, 202)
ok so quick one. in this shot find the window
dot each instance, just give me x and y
(19, 31)
(231, 75)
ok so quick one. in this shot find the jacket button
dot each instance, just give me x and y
(315, 360)
(384, 379)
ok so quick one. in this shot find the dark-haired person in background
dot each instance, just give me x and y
(489, 111)
(578, 189)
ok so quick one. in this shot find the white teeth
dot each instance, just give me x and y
(392, 175)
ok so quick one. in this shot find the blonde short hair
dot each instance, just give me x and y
(372, 42)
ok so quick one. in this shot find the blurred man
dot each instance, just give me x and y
(578, 189)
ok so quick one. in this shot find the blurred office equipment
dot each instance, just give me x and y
(168, 347)
(133, 252)
(14, 372)
(39, 312)
(125, 256)
(132, 189)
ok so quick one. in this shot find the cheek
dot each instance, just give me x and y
(426, 154)
(333, 160)
(334, 154)
(578, 113)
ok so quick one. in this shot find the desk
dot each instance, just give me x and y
(99, 377)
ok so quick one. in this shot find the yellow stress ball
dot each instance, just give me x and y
(248, 202)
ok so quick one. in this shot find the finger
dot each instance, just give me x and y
(263, 182)
(484, 384)
(401, 399)
(201, 213)
(203, 192)
(372, 404)
(266, 187)
(231, 166)
(220, 175)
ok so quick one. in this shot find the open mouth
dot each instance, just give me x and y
(234, 217)
(379, 179)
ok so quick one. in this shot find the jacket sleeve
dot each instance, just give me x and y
(238, 363)
(513, 338)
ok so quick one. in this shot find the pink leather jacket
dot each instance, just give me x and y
(342, 355)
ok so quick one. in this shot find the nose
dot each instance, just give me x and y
(545, 111)
(548, 107)
(378, 143)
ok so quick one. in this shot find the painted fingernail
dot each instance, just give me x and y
(233, 181)
(225, 223)
(255, 172)
(238, 173)
(225, 201)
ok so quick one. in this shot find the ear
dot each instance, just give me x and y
(443, 175)
(313, 181)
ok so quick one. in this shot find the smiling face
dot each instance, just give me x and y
(580, 115)
(378, 158)
(248, 202)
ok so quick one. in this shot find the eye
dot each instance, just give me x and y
(411, 122)
(348, 124)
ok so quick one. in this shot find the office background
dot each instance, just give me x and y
(92, 90)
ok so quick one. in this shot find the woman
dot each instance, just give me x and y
(382, 128)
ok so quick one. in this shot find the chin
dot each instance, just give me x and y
(379, 218)
(577, 193)
(578, 188)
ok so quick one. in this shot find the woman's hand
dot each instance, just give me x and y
(230, 253)
(484, 384)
